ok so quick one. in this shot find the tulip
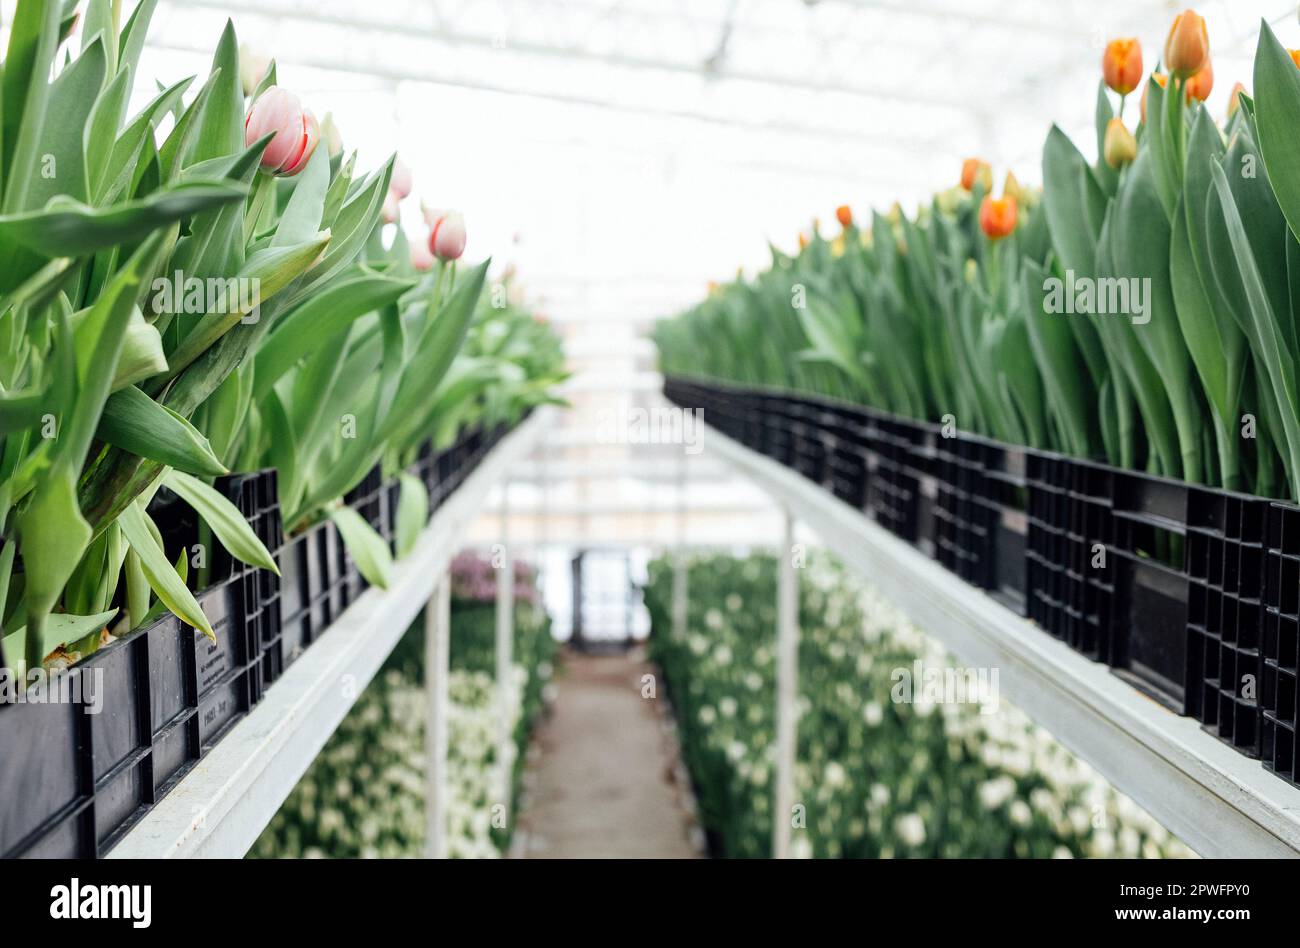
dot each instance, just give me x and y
(1119, 146)
(390, 213)
(1199, 86)
(997, 217)
(1121, 65)
(803, 241)
(330, 135)
(295, 131)
(253, 64)
(1188, 46)
(844, 214)
(973, 170)
(1295, 56)
(1011, 188)
(421, 257)
(1234, 99)
(447, 237)
(400, 183)
(1158, 77)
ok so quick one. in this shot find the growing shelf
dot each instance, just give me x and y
(224, 803)
(1219, 802)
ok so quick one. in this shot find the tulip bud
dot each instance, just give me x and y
(400, 183)
(1234, 99)
(1295, 56)
(421, 257)
(803, 241)
(1121, 65)
(330, 135)
(997, 217)
(1158, 77)
(390, 213)
(1199, 86)
(253, 64)
(1187, 46)
(844, 215)
(1011, 188)
(972, 171)
(1119, 146)
(951, 200)
(447, 238)
(295, 131)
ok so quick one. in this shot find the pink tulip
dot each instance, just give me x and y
(447, 237)
(279, 112)
(390, 212)
(421, 258)
(400, 183)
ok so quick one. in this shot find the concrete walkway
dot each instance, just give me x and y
(602, 779)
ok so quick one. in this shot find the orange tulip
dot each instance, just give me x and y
(1199, 86)
(1121, 65)
(803, 241)
(998, 217)
(1188, 45)
(974, 170)
(1161, 79)
(844, 215)
(1119, 147)
(1295, 56)
(1234, 99)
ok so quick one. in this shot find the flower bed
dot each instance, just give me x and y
(874, 776)
(364, 794)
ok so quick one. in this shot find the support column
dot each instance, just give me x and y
(437, 668)
(787, 689)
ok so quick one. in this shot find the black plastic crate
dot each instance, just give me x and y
(78, 774)
(1280, 641)
(963, 532)
(1225, 556)
(1069, 582)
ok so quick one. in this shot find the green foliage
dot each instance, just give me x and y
(923, 316)
(876, 777)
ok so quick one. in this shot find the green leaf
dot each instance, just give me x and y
(306, 327)
(67, 228)
(412, 512)
(136, 423)
(224, 518)
(221, 131)
(273, 269)
(54, 536)
(301, 219)
(163, 578)
(24, 90)
(142, 353)
(60, 629)
(1277, 116)
(366, 546)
